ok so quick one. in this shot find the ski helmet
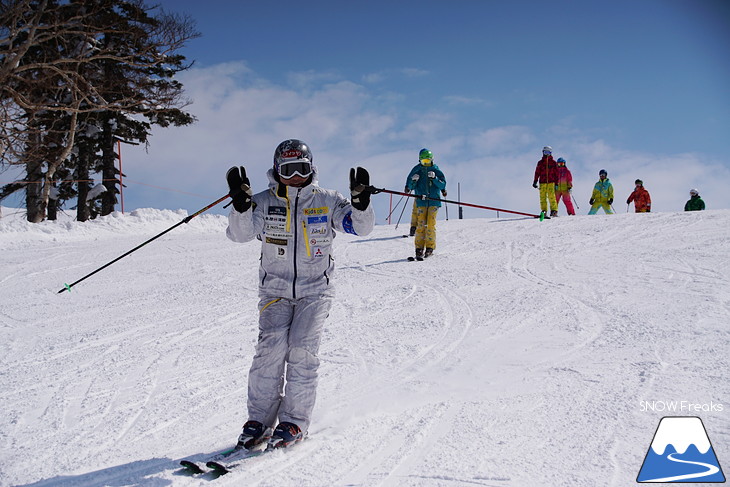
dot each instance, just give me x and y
(425, 157)
(293, 158)
(602, 172)
(561, 160)
(547, 150)
(639, 182)
(694, 192)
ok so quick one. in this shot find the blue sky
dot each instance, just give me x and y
(640, 88)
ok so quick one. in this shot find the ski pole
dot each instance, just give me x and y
(375, 190)
(402, 211)
(67, 287)
(576, 203)
(394, 208)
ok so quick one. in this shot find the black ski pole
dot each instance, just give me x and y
(67, 287)
(403, 210)
(375, 190)
(387, 218)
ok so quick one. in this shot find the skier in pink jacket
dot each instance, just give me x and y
(564, 186)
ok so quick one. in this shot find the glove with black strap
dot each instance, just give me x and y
(239, 188)
(360, 189)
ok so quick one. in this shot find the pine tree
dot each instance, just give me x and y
(68, 67)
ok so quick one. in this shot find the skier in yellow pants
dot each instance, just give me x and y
(426, 180)
(546, 173)
(426, 228)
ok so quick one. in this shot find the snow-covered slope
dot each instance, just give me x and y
(523, 353)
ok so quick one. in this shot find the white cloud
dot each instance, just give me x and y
(242, 118)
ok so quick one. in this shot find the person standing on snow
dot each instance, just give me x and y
(602, 196)
(640, 197)
(695, 203)
(564, 186)
(546, 173)
(426, 180)
(295, 220)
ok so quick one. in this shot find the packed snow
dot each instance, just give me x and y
(523, 353)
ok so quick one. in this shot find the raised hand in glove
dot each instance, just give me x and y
(431, 174)
(610, 201)
(443, 192)
(416, 177)
(591, 201)
(239, 188)
(360, 189)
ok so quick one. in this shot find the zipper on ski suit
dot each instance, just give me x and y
(295, 216)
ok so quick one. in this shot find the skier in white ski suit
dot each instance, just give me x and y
(295, 220)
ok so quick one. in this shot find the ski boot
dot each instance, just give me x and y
(285, 434)
(428, 253)
(419, 254)
(553, 213)
(255, 436)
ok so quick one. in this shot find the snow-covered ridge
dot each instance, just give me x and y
(145, 221)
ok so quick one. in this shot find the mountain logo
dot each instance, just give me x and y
(680, 452)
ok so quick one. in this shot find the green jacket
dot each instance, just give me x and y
(602, 192)
(695, 203)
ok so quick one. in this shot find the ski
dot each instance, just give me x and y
(225, 464)
(223, 456)
(228, 462)
(412, 259)
(191, 467)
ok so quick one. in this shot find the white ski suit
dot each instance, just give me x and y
(296, 227)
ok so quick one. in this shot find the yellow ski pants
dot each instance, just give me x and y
(426, 227)
(547, 193)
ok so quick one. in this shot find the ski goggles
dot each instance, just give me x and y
(299, 168)
(426, 161)
(546, 152)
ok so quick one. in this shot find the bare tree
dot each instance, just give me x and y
(60, 62)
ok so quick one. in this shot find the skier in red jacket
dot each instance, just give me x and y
(640, 197)
(546, 173)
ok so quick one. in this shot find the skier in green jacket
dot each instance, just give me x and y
(602, 196)
(695, 203)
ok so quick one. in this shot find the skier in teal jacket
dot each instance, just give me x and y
(426, 180)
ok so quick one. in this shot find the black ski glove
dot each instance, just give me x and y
(591, 201)
(534, 185)
(240, 188)
(360, 189)
(610, 202)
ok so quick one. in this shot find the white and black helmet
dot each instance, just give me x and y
(293, 158)
(694, 192)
